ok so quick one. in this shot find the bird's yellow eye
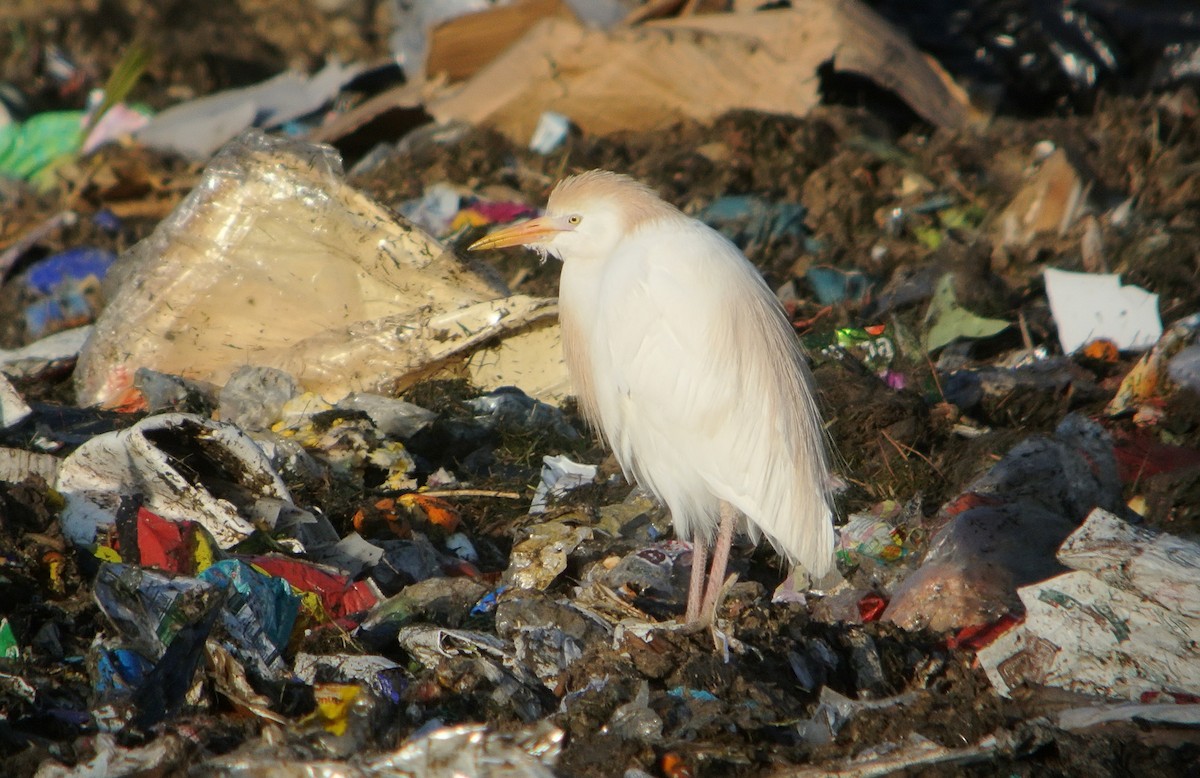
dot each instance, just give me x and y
(574, 220)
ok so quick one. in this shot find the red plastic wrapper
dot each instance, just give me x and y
(871, 607)
(979, 635)
(341, 598)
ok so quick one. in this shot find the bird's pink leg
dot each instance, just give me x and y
(696, 586)
(716, 576)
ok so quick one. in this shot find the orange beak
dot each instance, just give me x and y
(539, 230)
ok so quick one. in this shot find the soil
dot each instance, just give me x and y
(854, 170)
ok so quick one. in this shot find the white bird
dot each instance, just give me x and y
(685, 361)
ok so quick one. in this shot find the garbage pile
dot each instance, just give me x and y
(290, 484)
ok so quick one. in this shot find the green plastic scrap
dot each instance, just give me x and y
(8, 641)
(31, 148)
(948, 321)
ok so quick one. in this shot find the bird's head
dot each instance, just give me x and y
(585, 219)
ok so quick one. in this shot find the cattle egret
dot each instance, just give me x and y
(684, 360)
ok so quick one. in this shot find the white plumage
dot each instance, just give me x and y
(684, 360)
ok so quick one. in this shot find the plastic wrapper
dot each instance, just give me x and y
(382, 675)
(165, 621)
(66, 290)
(342, 599)
(259, 614)
(253, 397)
(273, 261)
(560, 475)
(541, 556)
(509, 406)
(1124, 623)
(493, 661)
(1149, 378)
(182, 467)
(13, 408)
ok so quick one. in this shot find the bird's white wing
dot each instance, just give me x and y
(702, 392)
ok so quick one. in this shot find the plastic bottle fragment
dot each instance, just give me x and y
(635, 720)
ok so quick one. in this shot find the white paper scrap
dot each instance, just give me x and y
(559, 476)
(1090, 306)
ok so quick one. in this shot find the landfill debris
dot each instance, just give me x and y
(994, 393)
(1122, 624)
(653, 578)
(835, 710)
(549, 643)
(834, 286)
(551, 132)
(236, 268)
(253, 398)
(1169, 714)
(509, 406)
(1072, 54)
(874, 346)
(1003, 531)
(31, 149)
(1088, 307)
(867, 534)
(16, 465)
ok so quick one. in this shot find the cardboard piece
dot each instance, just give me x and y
(657, 74)
(459, 47)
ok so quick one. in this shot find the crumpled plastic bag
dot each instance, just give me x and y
(274, 261)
